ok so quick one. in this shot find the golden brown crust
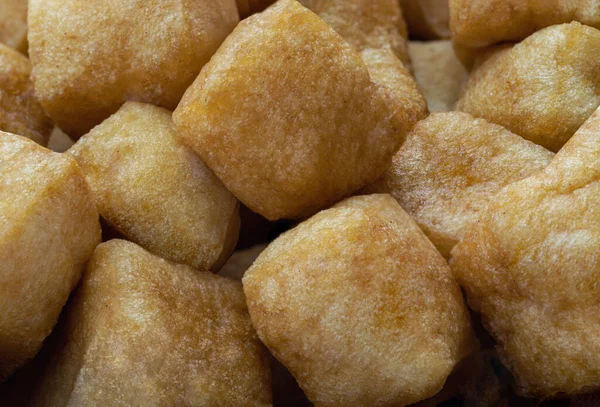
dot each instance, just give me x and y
(366, 24)
(543, 88)
(13, 24)
(146, 332)
(530, 265)
(49, 229)
(359, 306)
(450, 166)
(287, 116)
(87, 63)
(438, 73)
(20, 111)
(155, 190)
(427, 19)
(479, 23)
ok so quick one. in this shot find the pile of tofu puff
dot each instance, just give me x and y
(289, 203)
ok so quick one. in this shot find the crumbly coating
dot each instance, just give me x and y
(359, 306)
(530, 265)
(20, 111)
(155, 191)
(366, 24)
(427, 19)
(448, 169)
(543, 88)
(13, 24)
(142, 331)
(438, 72)
(479, 23)
(90, 56)
(286, 115)
(49, 229)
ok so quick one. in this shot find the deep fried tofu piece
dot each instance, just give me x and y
(366, 24)
(90, 56)
(155, 191)
(13, 24)
(20, 111)
(479, 23)
(142, 331)
(530, 265)
(427, 19)
(359, 306)
(438, 72)
(49, 230)
(287, 116)
(448, 169)
(543, 88)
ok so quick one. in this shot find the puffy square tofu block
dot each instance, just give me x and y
(360, 306)
(438, 72)
(287, 116)
(427, 19)
(448, 169)
(543, 88)
(155, 191)
(49, 230)
(479, 23)
(531, 266)
(20, 111)
(142, 331)
(91, 56)
(13, 24)
(366, 24)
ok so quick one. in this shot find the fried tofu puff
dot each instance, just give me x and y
(448, 169)
(49, 230)
(366, 24)
(142, 331)
(438, 72)
(543, 88)
(155, 191)
(90, 56)
(20, 111)
(479, 23)
(13, 24)
(359, 306)
(287, 116)
(427, 19)
(530, 265)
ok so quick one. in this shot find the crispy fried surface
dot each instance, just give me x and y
(155, 191)
(20, 112)
(478, 23)
(438, 72)
(359, 306)
(427, 19)
(90, 56)
(448, 169)
(543, 88)
(146, 332)
(531, 267)
(366, 24)
(13, 24)
(286, 115)
(49, 229)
